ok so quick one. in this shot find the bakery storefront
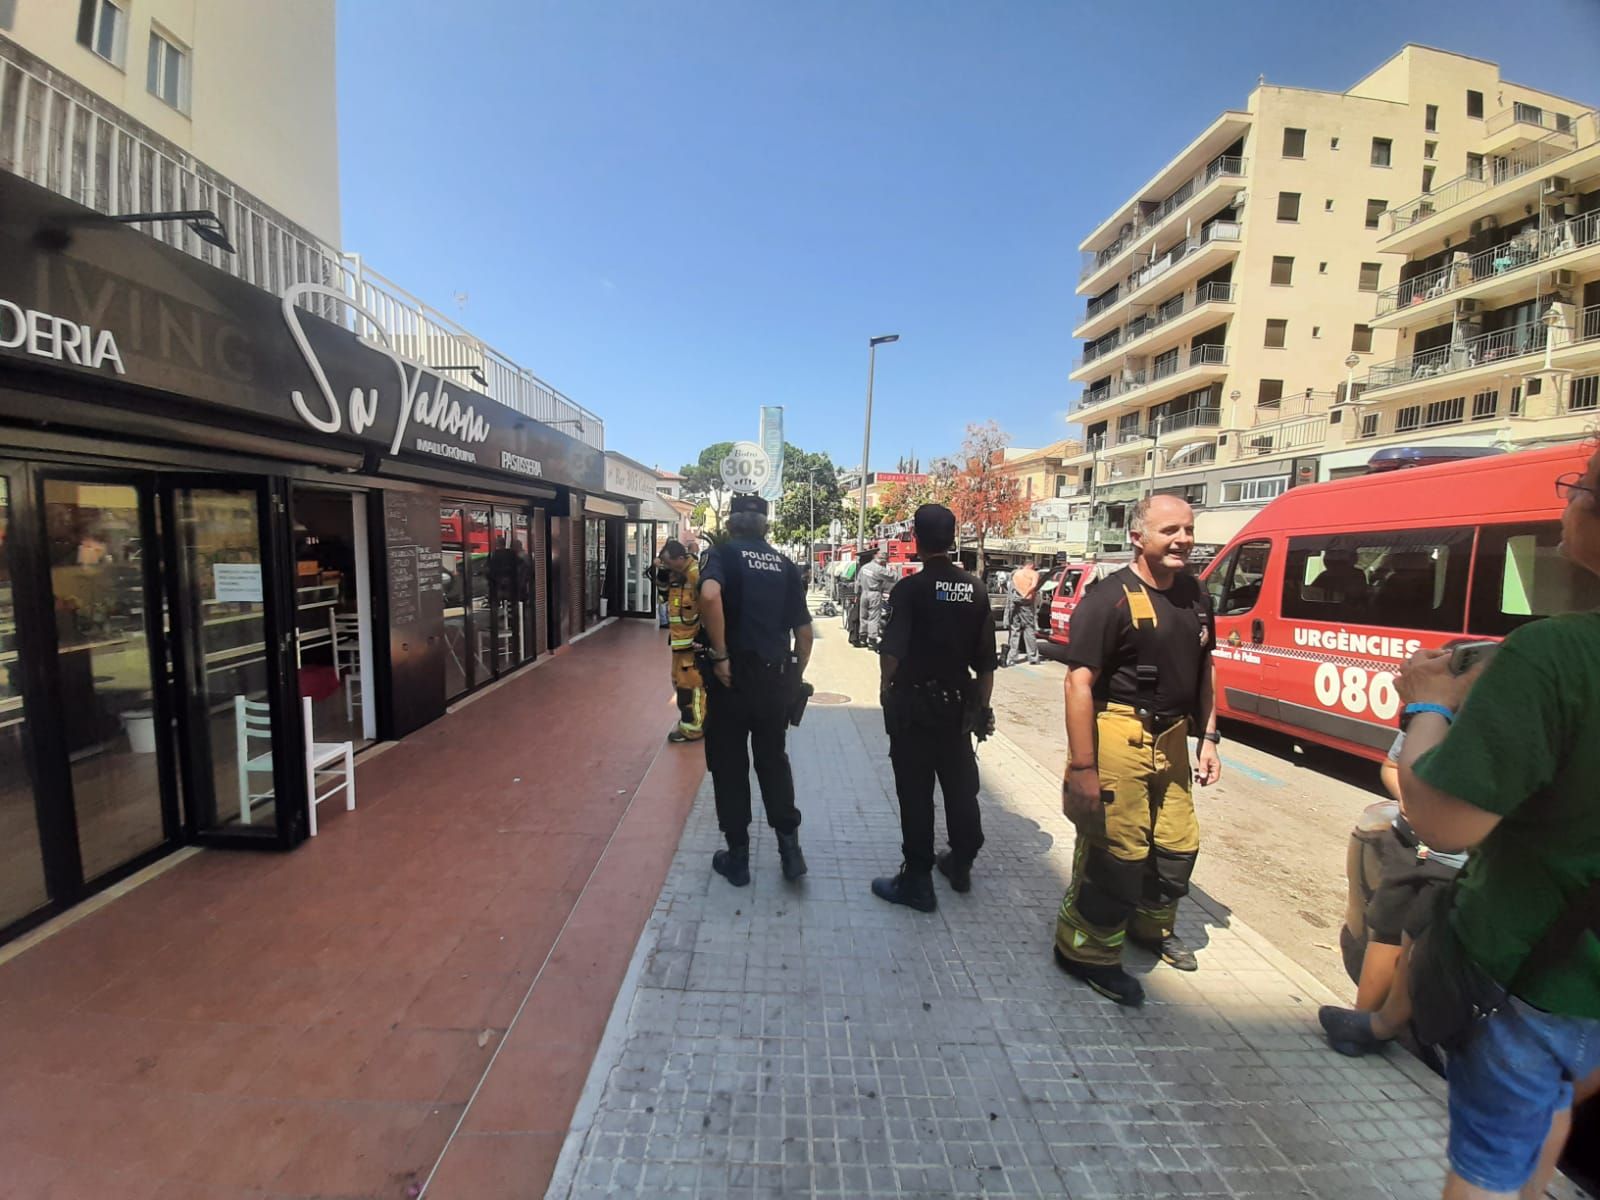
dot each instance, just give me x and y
(221, 511)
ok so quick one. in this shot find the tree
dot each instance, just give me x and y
(986, 501)
(791, 517)
(901, 500)
(702, 481)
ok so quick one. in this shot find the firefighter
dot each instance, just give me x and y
(874, 581)
(680, 575)
(1140, 682)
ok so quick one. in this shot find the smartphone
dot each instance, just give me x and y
(1469, 654)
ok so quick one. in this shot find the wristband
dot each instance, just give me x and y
(1083, 766)
(1412, 710)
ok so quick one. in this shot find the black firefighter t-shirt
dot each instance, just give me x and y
(1178, 621)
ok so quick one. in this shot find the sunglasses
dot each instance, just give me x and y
(1568, 483)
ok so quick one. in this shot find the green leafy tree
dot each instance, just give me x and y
(702, 483)
(792, 514)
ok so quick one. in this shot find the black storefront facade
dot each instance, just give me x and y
(221, 511)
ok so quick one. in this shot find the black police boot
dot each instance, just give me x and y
(1171, 950)
(733, 865)
(1110, 980)
(958, 873)
(914, 889)
(794, 862)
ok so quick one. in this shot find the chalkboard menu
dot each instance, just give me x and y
(415, 591)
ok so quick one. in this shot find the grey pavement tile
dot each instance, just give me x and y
(808, 1040)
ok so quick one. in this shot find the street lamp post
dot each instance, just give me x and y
(1351, 362)
(811, 523)
(866, 441)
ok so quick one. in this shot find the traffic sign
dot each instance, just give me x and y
(746, 468)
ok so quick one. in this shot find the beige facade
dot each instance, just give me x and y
(1227, 296)
(245, 88)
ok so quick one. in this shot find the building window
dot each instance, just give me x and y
(1327, 205)
(1333, 143)
(1270, 394)
(1516, 401)
(1375, 211)
(1369, 277)
(1585, 394)
(1445, 412)
(1485, 405)
(1382, 151)
(1294, 143)
(1430, 149)
(1369, 424)
(1431, 122)
(168, 75)
(1254, 491)
(1475, 104)
(1322, 268)
(103, 28)
(1361, 339)
(1474, 166)
(8, 13)
(1277, 331)
(1288, 206)
(1408, 419)
(1427, 179)
(1316, 331)
(1282, 270)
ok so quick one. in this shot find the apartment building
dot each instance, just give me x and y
(253, 496)
(1236, 298)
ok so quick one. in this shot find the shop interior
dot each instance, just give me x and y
(333, 607)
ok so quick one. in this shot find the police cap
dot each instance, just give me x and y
(748, 503)
(934, 527)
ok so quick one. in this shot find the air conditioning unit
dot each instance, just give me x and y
(1467, 308)
(1563, 280)
(1556, 187)
(1484, 224)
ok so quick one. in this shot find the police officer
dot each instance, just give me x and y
(1139, 683)
(751, 602)
(938, 634)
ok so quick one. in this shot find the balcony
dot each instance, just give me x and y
(1225, 171)
(1520, 124)
(1181, 428)
(1499, 182)
(1503, 262)
(1481, 351)
(91, 152)
(1169, 375)
(1180, 315)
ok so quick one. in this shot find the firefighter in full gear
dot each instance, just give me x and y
(680, 575)
(875, 581)
(1139, 683)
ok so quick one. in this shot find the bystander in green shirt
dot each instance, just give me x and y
(1526, 747)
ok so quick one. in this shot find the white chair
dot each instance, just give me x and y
(252, 719)
(320, 757)
(324, 760)
(345, 630)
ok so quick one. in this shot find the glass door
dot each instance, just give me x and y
(453, 567)
(505, 591)
(480, 618)
(240, 729)
(106, 669)
(22, 879)
(638, 588)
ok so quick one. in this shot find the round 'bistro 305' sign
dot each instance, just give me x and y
(746, 467)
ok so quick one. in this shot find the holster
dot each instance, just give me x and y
(797, 703)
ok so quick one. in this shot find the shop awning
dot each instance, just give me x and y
(599, 506)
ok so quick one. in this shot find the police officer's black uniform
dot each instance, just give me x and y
(763, 602)
(938, 632)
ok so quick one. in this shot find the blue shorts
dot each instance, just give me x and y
(1514, 1076)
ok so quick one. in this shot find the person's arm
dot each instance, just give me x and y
(1206, 757)
(714, 618)
(804, 639)
(1389, 776)
(1440, 819)
(1080, 789)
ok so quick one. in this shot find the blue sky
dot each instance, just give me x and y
(677, 212)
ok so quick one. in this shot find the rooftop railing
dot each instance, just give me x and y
(1527, 114)
(61, 137)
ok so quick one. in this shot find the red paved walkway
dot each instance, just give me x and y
(315, 1024)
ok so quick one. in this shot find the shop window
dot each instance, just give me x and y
(1235, 585)
(103, 28)
(1282, 270)
(1382, 151)
(1521, 575)
(1369, 277)
(1474, 104)
(1375, 211)
(1406, 579)
(1288, 206)
(1294, 143)
(1277, 333)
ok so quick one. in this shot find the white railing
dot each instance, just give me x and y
(1512, 342)
(1530, 246)
(1224, 165)
(92, 153)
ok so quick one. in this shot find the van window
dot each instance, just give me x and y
(1408, 579)
(1069, 581)
(1235, 585)
(1522, 576)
